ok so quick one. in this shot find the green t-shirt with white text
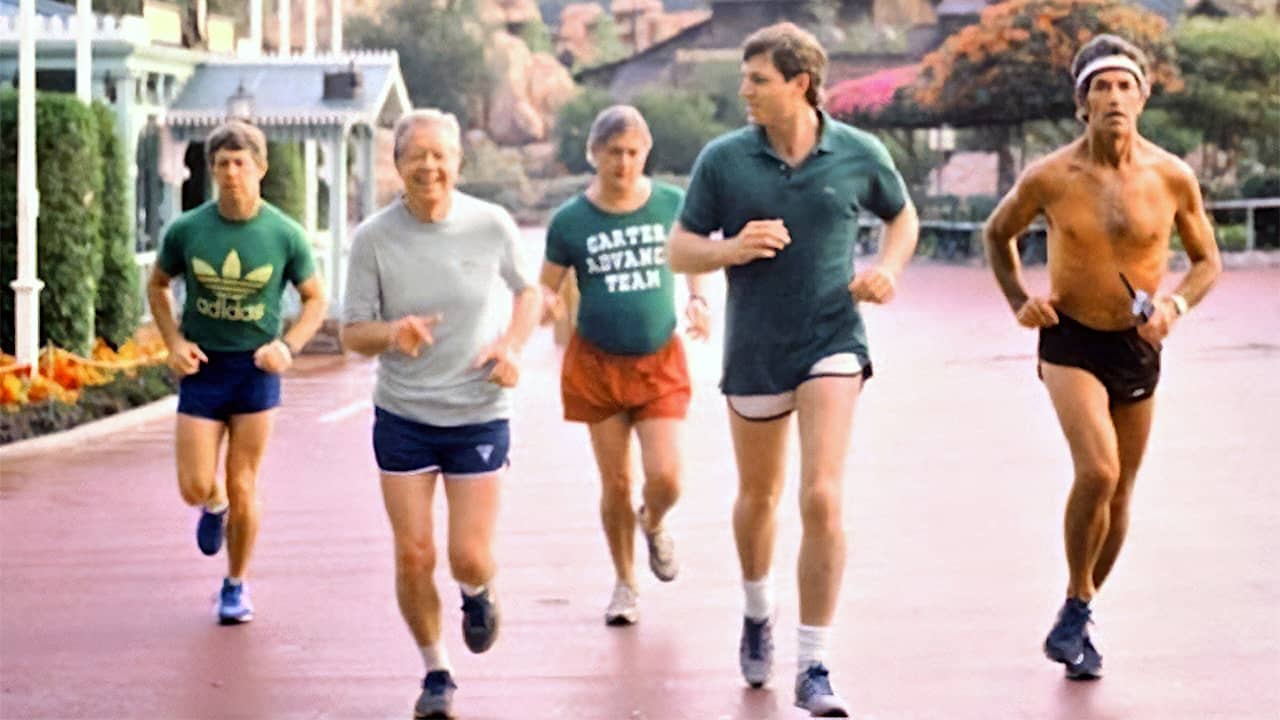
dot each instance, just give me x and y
(628, 290)
(235, 273)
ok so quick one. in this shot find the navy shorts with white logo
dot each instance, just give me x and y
(407, 447)
(228, 384)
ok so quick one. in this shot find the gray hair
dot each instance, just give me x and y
(611, 122)
(414, 119)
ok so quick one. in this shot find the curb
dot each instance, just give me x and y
(90, 430)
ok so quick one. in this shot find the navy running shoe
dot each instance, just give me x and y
(1090, 668)
(1065, 643)
(436, 700)
(755, 651)
(234, 606)
(480, 618)
(210, 530)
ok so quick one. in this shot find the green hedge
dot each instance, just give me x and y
(285, 183)
(69, 248)
(119, 303)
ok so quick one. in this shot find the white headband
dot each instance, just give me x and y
(1110, 62)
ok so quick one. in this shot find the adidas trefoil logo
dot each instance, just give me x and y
(229, 288)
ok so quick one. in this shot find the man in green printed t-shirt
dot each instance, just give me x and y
(235, 255)
(786, 191)
(625, 368)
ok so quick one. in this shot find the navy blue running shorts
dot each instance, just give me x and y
(229, 384)
(406, 447)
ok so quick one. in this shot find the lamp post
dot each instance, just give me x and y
(240, 104)
(26, 288)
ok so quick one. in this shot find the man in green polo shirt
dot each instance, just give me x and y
(785, 191)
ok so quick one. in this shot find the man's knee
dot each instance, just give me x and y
(1098, 478)
(415, 557)
(758, 498)
(820, 508)
(195, 486)
(471, 563)
(615, 488)
(663, 481)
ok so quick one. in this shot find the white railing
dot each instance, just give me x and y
(1249, 206)
(54, 27)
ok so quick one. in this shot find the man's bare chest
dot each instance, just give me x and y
(1135, 213)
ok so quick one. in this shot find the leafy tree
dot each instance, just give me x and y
(1015, 64)
(681, 123)
(1232, 95)
(607, 41)
(718, 81)
(573, 124)
(441, 52)
(537, 37)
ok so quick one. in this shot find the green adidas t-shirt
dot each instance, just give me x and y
(234, 273)
(628, 290)
(784, 314)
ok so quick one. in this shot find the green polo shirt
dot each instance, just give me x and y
(628, 291)
(786, 313)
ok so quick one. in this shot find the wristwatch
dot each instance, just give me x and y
(1180, 305)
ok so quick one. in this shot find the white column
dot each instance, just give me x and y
(311, 186)
(26, 288)
(368, 181)
(337, 161)
(309, 29)
(335, 28)
(286, 26)
(84, 51)
(255, 25)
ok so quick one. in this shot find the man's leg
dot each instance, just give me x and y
(473, 513)
(408, 499)
(1082, 408)
(1132, 422)
(611, 442)
(196, 442)
(660, 456)
(246, 445)
(1081, 404)
(760, 450)
(825, 408)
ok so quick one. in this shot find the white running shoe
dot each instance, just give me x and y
(662, 551)
(623, 607)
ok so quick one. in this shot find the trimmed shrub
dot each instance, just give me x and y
(68, 246)
(681, 123)
(285, 183)
(119, 302)
(127, 391)
(573, 124)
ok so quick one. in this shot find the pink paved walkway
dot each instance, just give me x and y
(953, 500)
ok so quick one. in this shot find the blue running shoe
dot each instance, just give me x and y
(436, 700)
(234, 606)
(210, 529)
(814, 693)
(479, 620)
(1065, 643)
(755, 652)
(1091, 667)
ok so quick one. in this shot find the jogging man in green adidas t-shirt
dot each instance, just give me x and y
(786, 191)
(235, 255)
(624, 368)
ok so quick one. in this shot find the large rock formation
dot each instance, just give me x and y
(528, 90)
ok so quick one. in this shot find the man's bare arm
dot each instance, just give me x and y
(1000, 237)
(1197, 239)
(900, 237)
(311, 317)
(689, 252)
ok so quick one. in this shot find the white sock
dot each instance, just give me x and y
(215, 509)
(235, 580)
(759, 597)
(811, 645)
(435, 657)
(471, 590)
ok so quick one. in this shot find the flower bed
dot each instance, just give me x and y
(69, 390)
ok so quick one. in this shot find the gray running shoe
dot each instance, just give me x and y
(623, 609)
(814, 693)
(755, 652)
(436, 700)
(662, 552)
(480, 618)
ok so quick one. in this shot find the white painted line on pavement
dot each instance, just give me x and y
(345, 412)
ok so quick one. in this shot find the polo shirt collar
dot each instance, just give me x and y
(825, 144)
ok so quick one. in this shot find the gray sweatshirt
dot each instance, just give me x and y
(399, 266)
